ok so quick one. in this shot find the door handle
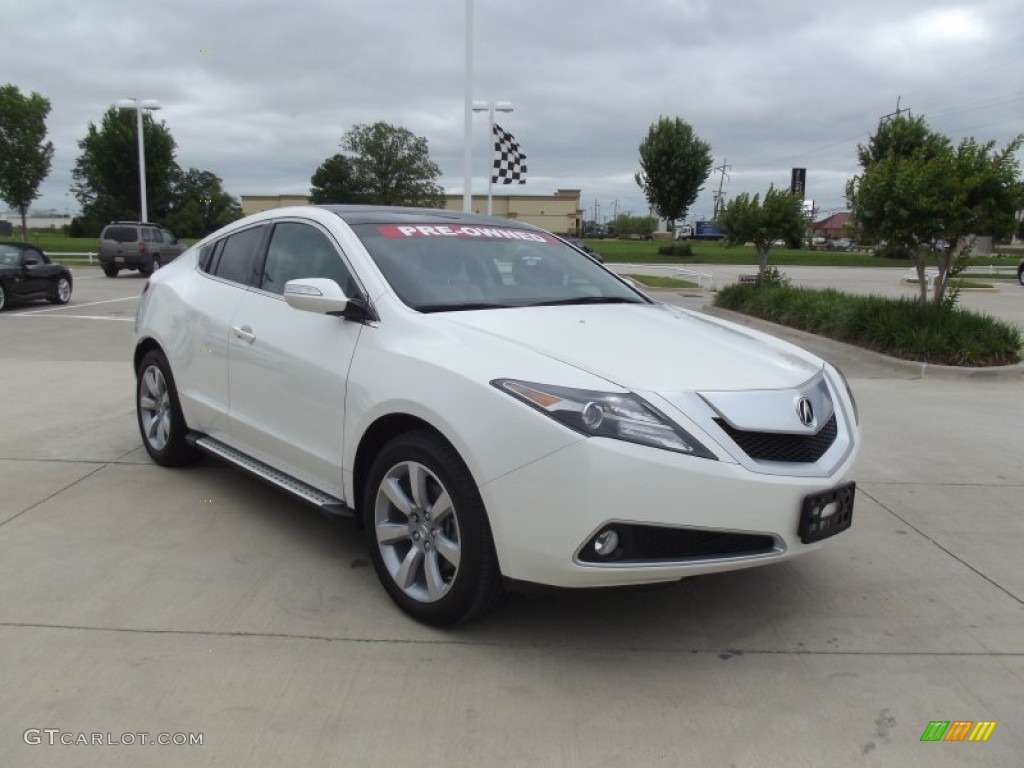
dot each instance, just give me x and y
(244, 332)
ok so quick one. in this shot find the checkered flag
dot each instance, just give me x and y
(509, 161)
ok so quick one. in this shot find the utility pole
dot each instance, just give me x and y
(895, 114)
(615, 210)
(721, 180)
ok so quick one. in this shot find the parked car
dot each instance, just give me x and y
(489, 403)
(27, 274)
(839, 244)
(136, 245)
(575, 242)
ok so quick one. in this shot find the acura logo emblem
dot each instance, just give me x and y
(805, 411)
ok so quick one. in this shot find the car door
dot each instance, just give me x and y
(34, 273)
(228, 268)
(288, 369)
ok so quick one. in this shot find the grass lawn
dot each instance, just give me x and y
(55, 242)
(646, 252)
(655, 281)
(961, 283)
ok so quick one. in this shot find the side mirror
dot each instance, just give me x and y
(322, 296)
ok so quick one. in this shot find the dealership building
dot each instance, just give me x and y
(559, 213)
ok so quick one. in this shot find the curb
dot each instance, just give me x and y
(916, 369)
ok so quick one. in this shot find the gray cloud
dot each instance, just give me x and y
(260, 92)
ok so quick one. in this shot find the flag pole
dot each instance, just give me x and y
(490, 174)
(467, 129)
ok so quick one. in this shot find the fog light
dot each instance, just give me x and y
(606, 543)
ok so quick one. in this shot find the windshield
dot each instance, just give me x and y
(456, 267)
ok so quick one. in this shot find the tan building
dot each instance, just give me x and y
(255, 203)
(559, 213)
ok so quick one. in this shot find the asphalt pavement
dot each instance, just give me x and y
(141, 600)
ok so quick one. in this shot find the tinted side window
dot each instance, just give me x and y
(299, 250)
(121, 234)
(239, 257)
(147, 235)
(205, 256)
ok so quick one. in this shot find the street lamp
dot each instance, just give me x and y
(138, 105)
(490, 107)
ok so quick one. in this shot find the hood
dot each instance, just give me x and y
(650, 347)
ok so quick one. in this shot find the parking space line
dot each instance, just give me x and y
(74, 317)
(78, 306)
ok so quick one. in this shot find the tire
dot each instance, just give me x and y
(3, 297)
(158, 412)
(432, 548)
(61, 292)
(110, 271)
(1020, 276)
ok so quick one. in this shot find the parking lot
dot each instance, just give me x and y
(136, 599)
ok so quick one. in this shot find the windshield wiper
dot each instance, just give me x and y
(586, 300)
(460, 307)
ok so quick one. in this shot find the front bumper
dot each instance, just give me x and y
(543, 513)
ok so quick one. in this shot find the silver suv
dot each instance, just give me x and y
(136, 245)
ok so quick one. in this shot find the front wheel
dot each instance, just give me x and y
(428, 533)
(3, 297)
(61, 292)
(1020, 276)
(159, 414)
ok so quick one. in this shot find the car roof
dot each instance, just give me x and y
(384, 214)
(23, 246)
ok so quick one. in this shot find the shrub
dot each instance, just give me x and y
(893, 251)
(682, 250)
(904, 328)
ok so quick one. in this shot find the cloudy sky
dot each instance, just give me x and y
(261, 92)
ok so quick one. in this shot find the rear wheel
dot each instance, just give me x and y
(159, 414)
(428, 533)
(61, 292)
(110, 271)
(1020, 275)
(3, 297)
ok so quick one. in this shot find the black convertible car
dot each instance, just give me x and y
(26, 273)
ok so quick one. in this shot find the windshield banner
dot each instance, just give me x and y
(458, 230)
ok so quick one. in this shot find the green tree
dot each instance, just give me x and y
(748, 219)
(392, 166)
(201, 205)
(106, 174)
(626, 224)
(674, 164)
(336, 181)
(25, 155)
(921, 194)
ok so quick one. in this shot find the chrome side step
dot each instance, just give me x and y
(323, 501)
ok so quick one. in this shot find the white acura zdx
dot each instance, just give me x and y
(490, 403)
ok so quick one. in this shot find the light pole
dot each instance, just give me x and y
(467, 123)
(490, 107)
(138, 105)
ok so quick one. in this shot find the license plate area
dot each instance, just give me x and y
(119, 259)
(826, 514)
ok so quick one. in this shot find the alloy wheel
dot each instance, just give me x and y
(155, 408)
(417, 531)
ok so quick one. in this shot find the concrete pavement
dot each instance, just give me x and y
(139, 599)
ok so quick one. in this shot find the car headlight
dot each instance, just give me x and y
(849, 392)
(622, 416)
